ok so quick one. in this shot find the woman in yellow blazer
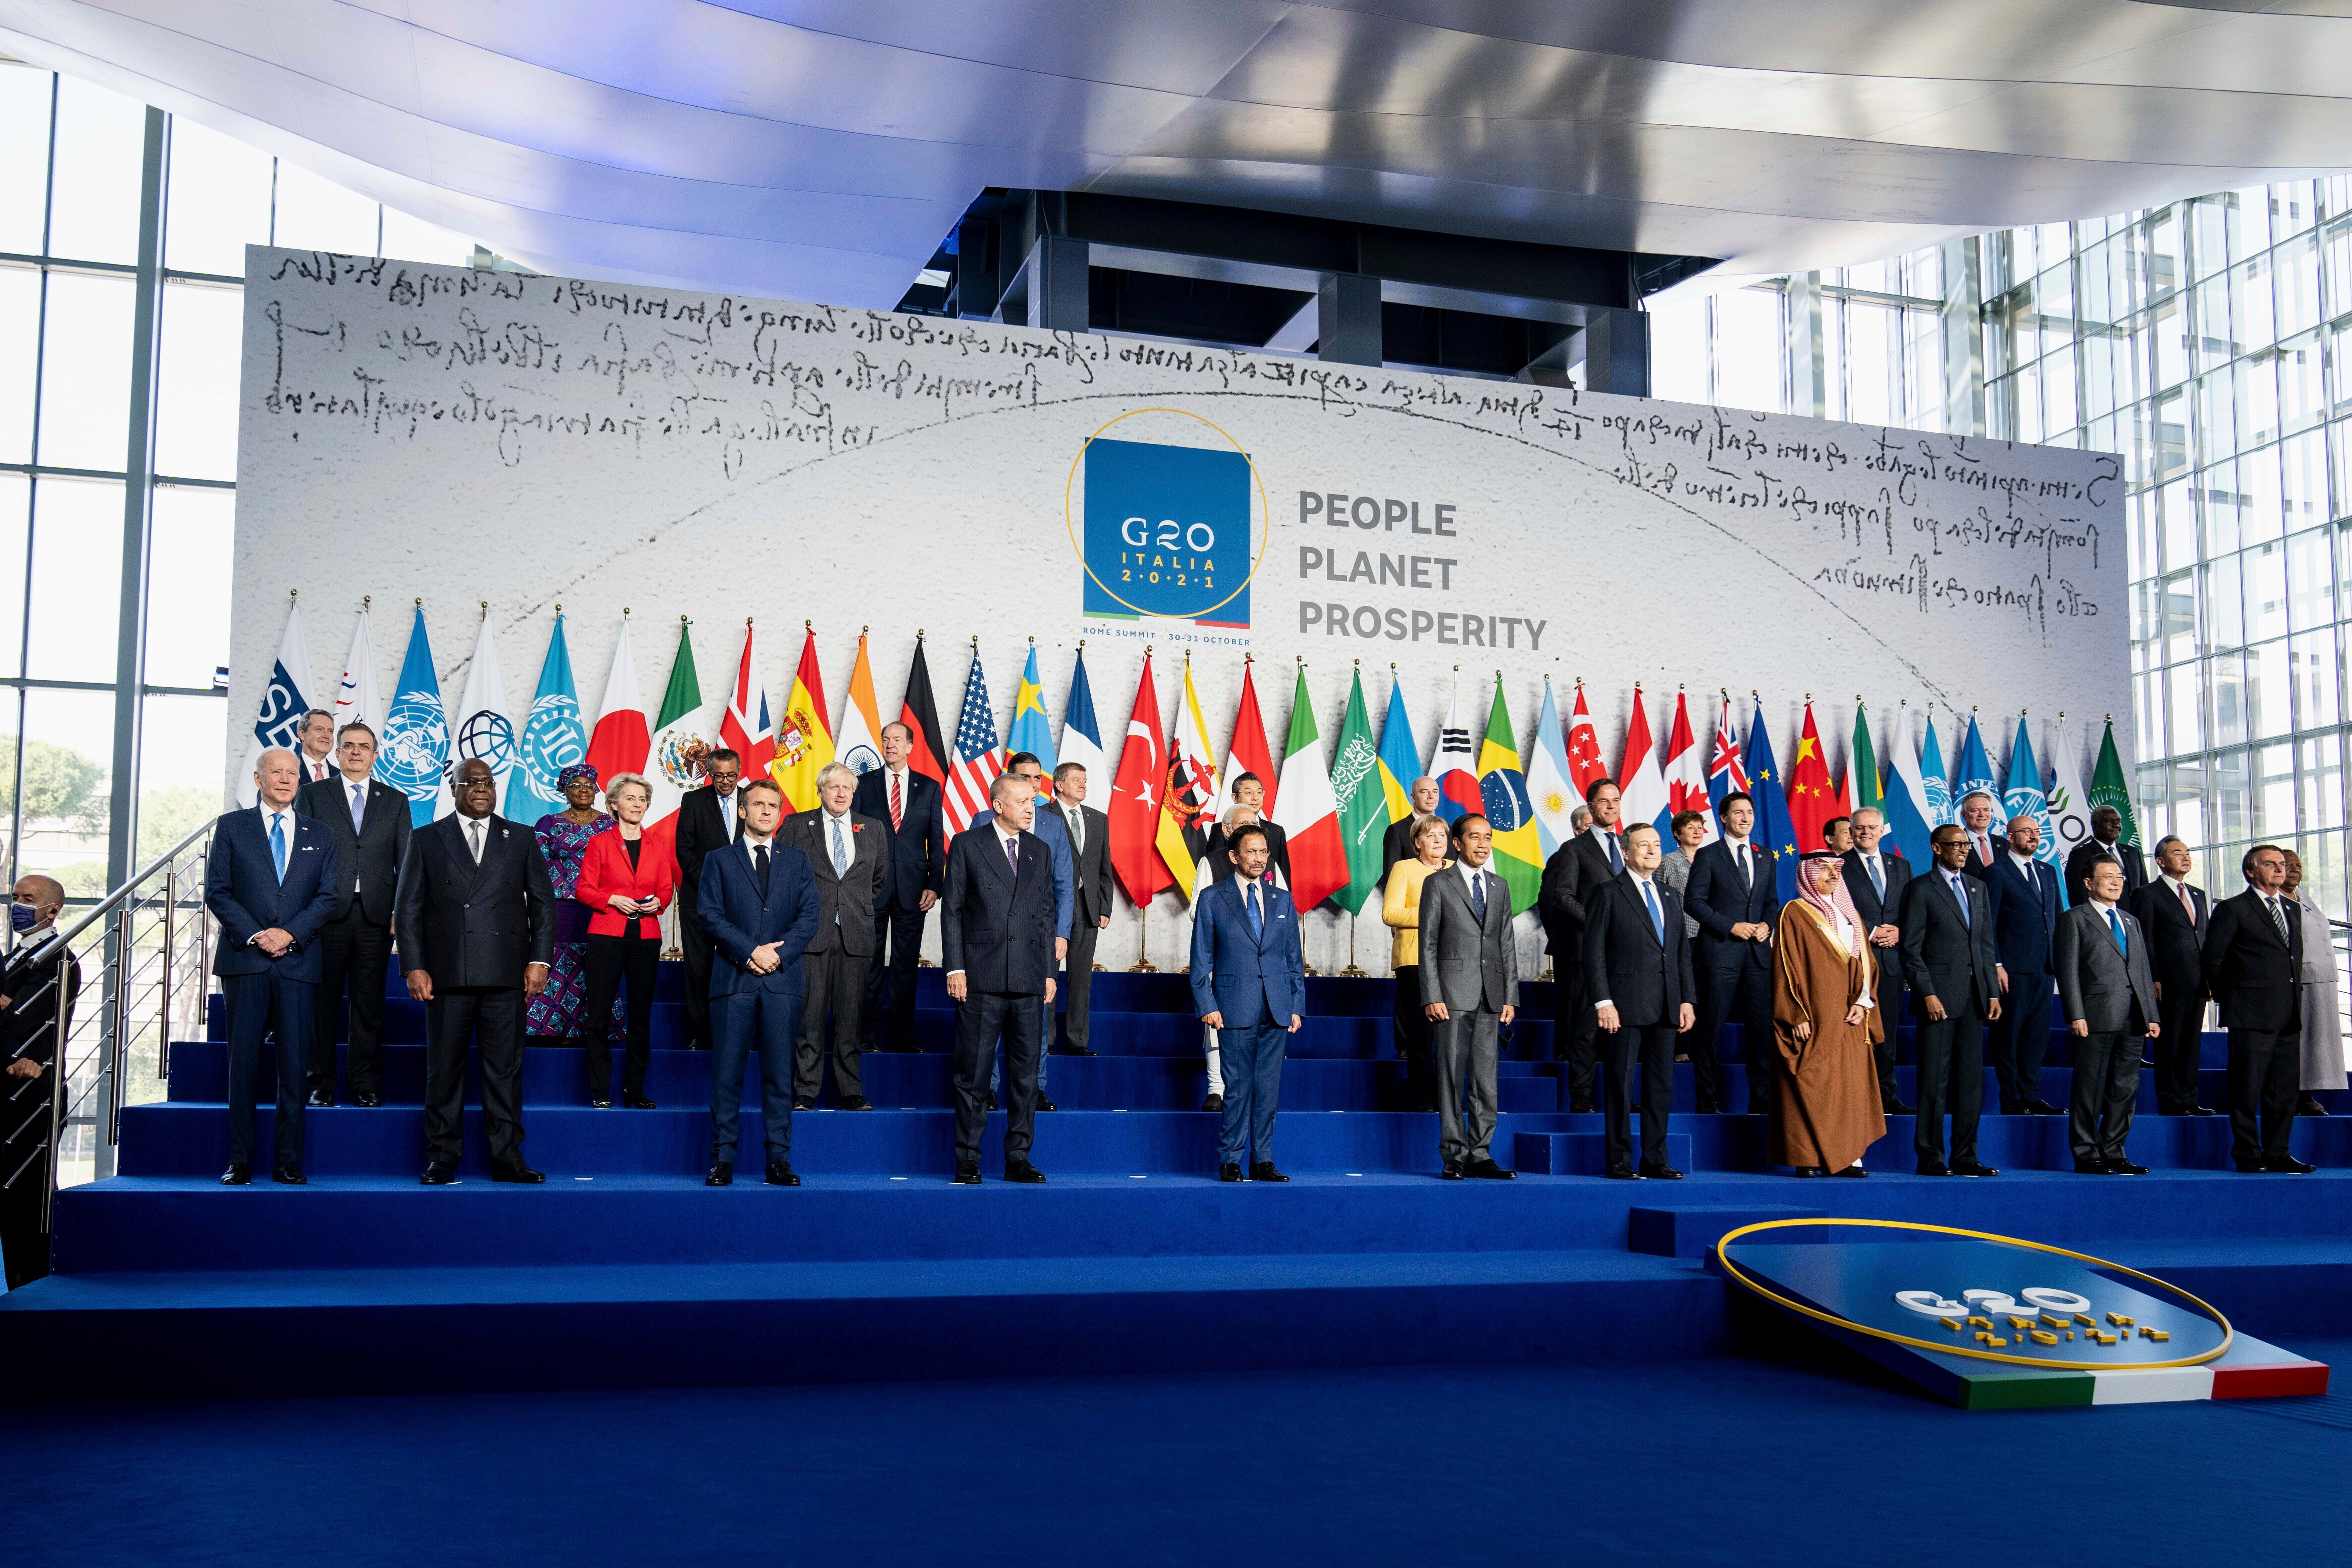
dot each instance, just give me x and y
(1400, 908)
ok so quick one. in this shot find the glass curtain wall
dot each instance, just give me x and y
(86, 178)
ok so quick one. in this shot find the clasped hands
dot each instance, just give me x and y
(1752, 931)
(627, 905)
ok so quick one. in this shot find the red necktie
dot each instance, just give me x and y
(896, 805)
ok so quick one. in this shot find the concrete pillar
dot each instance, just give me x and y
(1347, 319)
(1616, 346)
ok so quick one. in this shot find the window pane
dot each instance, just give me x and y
(2233, 803)
(219, 201)
(86, 379)
(101, 139)
(1747, 353)
(2268, 691)
(318, 215)
(68, 736)
(20, 339)
(2274, 792)
(2224, 624)
(2315, 679)
(189, 555)
(182, 746)
(2188, 715)
(23, 161)
(2311, 579)
(2188, 802)
(77, 589)
(15, 518)
(413, 240)
(2230, 699)
(2323, 782)
(197, 381)
(2265, 571)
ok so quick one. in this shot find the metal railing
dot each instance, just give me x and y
(2340, 938)
(142, 955)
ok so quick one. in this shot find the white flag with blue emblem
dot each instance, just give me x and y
(278, 720)
(356, 701)
(415, 756)
(483, 729)
(553, 737)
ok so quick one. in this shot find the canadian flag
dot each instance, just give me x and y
(1685, 772)
(1585, 767)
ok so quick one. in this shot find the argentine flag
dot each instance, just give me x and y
(1907, 821)
(1555, 799)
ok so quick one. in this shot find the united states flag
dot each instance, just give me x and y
(978, 759)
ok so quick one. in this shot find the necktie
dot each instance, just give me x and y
(1478, 895)
(898, 804)
(1012, 858)
(1249, 903)
(358, 805)
(727, 812)
(840, 849)
(474, 837)
(2188, 904)
(1960, 891)
(1878, 879)
(759, 868)
(1657, 916)
(2278, 915)
(2116, 924)
(1616, 861)
(277, 841)
(1077, 830)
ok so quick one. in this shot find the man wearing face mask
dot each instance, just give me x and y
(29, 999)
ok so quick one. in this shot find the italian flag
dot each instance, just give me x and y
(1307, 814)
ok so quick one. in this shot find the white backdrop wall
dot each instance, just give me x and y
(414, 431)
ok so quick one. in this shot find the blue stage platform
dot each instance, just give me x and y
(625, 1270)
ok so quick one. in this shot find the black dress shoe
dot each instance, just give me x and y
(238, 1174)
(1809, 1170)
(1229, 1173)
(967, 1176)
(801, 1104)
(1897, 1107)
(289, 1176)
(1661, 1173)
(522, 1174)
(1488, 1170)
(1933, 1168)
(439, 1174)
(637, 1101)
(1264, 1171)
(722, 1175)
(322, 1097)
(1079, 1051)
(2043, 1108)
(2309, 1105)
(1972, 1168)
(1452, 1173)
(2202, 1111)
(1709, 1108)
(2126, 1168)
(1579, 1108)
(781, 1174)
(1045, 1104)
(1851, 1172)
(1214, 1102)
(2250, 1167)
(857, 1102)
(2094, 1168)
(991, 1100)
(368, 1099)
(1623, 1173)
(595, 1104)
(1024, 1172)
(2288, 1165)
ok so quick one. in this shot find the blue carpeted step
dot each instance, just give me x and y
(1583, 1153)
(1690, 1230)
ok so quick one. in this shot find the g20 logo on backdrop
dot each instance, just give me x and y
(1168, 531)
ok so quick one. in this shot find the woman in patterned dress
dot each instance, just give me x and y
(563, 836)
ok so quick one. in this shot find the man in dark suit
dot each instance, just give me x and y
(2175, 915)
(2025, 908)
(1090, 885)
(369, 821)
(896, 794)
(1249, 790)
(1638, 961)
(474, 917)
(41, 975)
(708, 819)
(997, 941)
(1874, 879)
(1470, 989)
(1396, 844)
(2106, 842)
(1734, 895)
(761, 904)
(851, 858)
(2253, 967)
(1576, 870)
(1955, 980)
(270, 881)
(2109, 995)
(1249, 983)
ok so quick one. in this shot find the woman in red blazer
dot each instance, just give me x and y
(626, 879)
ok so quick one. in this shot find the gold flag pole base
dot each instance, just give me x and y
(1351, 971)
(1142, 964)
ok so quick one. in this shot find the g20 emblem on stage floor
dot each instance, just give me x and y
(1168, 531)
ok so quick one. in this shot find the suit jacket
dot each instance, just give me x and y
(1948, 955)
(1874, 909)
(997, 928)
(2253, 972)
(1462, 962)
(731, 908)
(1625, 963)
(1674, 871)
(2110, 989)
(2078, 865)
(1250, 978)
(919, 845)
(1278, 852)
(473, 927)
(2025, 914)
(1396, 845)
(2175, 943)
(1719, 900)
(1575, 871)
(243, 892)
(367, 862)
(1090, 874)
(846, 921)
(1049, 830)
(702, 828)
(604, 870)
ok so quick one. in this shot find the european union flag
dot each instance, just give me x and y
(1773, 829)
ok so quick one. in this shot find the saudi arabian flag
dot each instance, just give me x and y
(1861, 778)
(2108, 787)
(1363, 804)
(1503, 788)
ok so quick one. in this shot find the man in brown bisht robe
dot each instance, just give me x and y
(1825, 1021)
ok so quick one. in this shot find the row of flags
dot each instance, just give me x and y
(1169, 787)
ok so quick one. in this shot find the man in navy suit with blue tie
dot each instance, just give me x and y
(759, 900)
(1249, 983)
(269, 880)
(2025, 909)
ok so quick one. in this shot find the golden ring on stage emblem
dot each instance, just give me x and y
(1265, 507)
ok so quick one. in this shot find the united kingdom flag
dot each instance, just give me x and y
(1724, 771)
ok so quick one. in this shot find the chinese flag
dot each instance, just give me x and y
(1812, 800)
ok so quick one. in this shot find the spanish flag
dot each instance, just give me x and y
(804, 739)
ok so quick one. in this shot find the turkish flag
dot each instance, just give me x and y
(1135, 798)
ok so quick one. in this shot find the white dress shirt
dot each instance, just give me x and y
(316, 768)
(1640, 883)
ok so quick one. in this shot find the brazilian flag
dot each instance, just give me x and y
(1503, 788)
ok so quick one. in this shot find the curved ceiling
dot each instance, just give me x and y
(820, 149)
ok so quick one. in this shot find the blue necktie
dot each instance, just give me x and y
(1478, 895)
(1616, 861)
(1878, 879)
(2116, 924)
(1657, 918)
(359, 807)
(1249, 903)
(277, 841)
(1960, 891)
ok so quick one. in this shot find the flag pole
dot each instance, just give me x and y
(1142, 964)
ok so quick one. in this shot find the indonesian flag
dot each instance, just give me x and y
(1134, 810)
(1685, 773)
(1188, 807)
(1455, 766)
(1585, 767)
(1248, 753)
(622, 738)
(745, 728)
(1310, 814)
(1645, 788)
(805, 742)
